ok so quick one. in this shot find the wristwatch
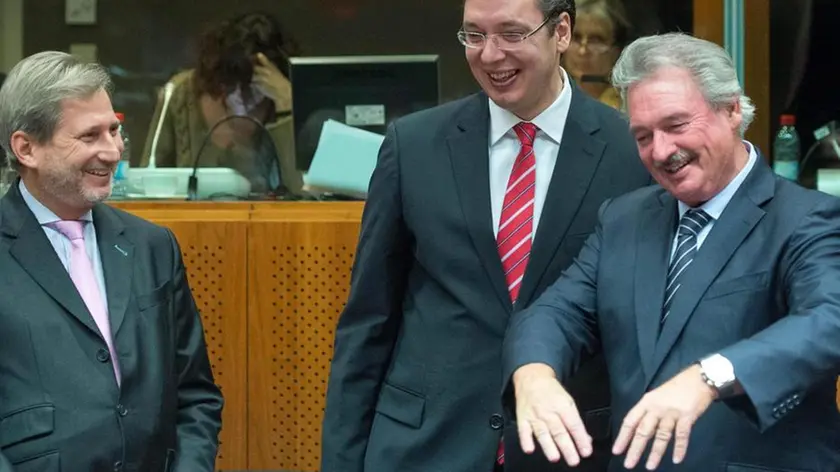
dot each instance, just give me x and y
(719, 374)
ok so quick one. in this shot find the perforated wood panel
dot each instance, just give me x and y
(215, 257)
(301, 272)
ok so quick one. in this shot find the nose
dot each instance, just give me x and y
(491, 52)
(112, 149)
(662, 147)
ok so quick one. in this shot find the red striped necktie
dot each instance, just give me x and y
(517, 220)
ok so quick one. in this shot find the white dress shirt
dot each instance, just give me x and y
(717, 204)
(63, 247)
(504, 147)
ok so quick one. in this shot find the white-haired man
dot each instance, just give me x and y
(715, 295)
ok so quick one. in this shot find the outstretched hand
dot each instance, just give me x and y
(545, 411)
(668, 412)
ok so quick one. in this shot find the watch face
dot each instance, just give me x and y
(718, 369)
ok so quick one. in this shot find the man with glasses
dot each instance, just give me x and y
(475, 207)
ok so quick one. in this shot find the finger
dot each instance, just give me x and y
(681, 438)
(577, 431)
(628, 428)
(644, 431)
(265, 61)
(662, 438)
(526, 434)
(546, 441)
(563, 441)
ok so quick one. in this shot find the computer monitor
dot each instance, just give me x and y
(367, 92)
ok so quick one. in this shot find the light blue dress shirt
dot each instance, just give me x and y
(62, 244)
(718, 203)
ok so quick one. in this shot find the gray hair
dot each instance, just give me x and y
(553, 8)
(32, 95)
(709, 64)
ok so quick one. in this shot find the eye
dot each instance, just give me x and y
(88, 137)
(677, 127)
(642, 138)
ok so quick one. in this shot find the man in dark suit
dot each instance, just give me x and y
(447, 254)
(103, 364)
(715, 296)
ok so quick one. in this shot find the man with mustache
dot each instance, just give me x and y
(714, 296)
(103, 364)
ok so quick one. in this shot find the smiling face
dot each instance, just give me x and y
(524, 81)
(692, 149)
(72, 171)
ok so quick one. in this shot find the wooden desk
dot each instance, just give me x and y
(270, 280)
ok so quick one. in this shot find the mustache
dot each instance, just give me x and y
(677, 159)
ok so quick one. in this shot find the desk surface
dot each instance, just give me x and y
(158, 210)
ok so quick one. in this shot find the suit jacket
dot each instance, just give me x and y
(763, 290)
(418, 346)
(60, 406)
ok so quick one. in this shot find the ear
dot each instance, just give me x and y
(734, 115)
(563, 30)
(25, 149)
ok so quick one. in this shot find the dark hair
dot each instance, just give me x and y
(554, 8)
(226, 53)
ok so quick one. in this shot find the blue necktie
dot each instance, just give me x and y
(692, 222)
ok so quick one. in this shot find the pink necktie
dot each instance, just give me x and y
(81, 271)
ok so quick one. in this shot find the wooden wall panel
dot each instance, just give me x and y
(215, 257)
(299, 278)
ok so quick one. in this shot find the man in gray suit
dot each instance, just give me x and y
(714, 296)
(103, 364)
(475, 207)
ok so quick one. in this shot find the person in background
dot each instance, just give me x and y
(242, 69)
(714, 295)
(474, 208)
(601, 31)
(103, 362)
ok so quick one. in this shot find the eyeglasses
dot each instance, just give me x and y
(594, 45)
(503, 41)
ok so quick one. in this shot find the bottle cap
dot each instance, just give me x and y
(788, 120)
(120, 116)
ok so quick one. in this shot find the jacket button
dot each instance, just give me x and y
(122, 410)
(103, 355)
(496, 421)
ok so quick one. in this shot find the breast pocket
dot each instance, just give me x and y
(744, 283)
(156, 297)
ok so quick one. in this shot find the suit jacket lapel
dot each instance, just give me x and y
(741, 215)
(117, 255)
(654, 236)
(469, 155)
(577, 159)
(30, 247)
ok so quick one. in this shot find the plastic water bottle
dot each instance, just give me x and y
(119, 186)
(786, 149)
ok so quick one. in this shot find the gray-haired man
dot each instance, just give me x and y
(103, 364)
(714, 296)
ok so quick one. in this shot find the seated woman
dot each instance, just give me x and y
(240, 71)
(601, 31)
